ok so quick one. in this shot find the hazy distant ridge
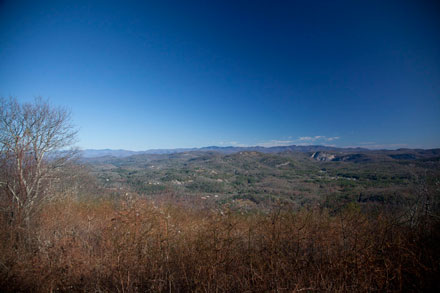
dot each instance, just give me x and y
(92, 153)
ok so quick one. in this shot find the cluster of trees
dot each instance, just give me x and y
(35, 142)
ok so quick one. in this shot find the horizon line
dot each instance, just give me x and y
(259, 146)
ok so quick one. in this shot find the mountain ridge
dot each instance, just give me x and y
(121, 153)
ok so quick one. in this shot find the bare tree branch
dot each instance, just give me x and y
(35, 140)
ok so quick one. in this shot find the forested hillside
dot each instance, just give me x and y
(253, 180)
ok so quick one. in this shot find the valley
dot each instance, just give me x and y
(251, 180)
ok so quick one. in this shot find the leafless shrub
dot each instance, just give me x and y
(141, 246)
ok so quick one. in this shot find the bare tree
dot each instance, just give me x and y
(34, 142)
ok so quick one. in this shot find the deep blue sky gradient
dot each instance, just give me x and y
(160, 74)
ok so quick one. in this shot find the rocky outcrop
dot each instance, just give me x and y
(323, 156)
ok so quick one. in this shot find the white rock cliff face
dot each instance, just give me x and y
(321, 156)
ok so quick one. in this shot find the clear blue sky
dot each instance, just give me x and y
(140, 75)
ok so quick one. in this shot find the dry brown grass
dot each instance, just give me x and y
(137, 246)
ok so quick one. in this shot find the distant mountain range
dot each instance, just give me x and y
(92, 153)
